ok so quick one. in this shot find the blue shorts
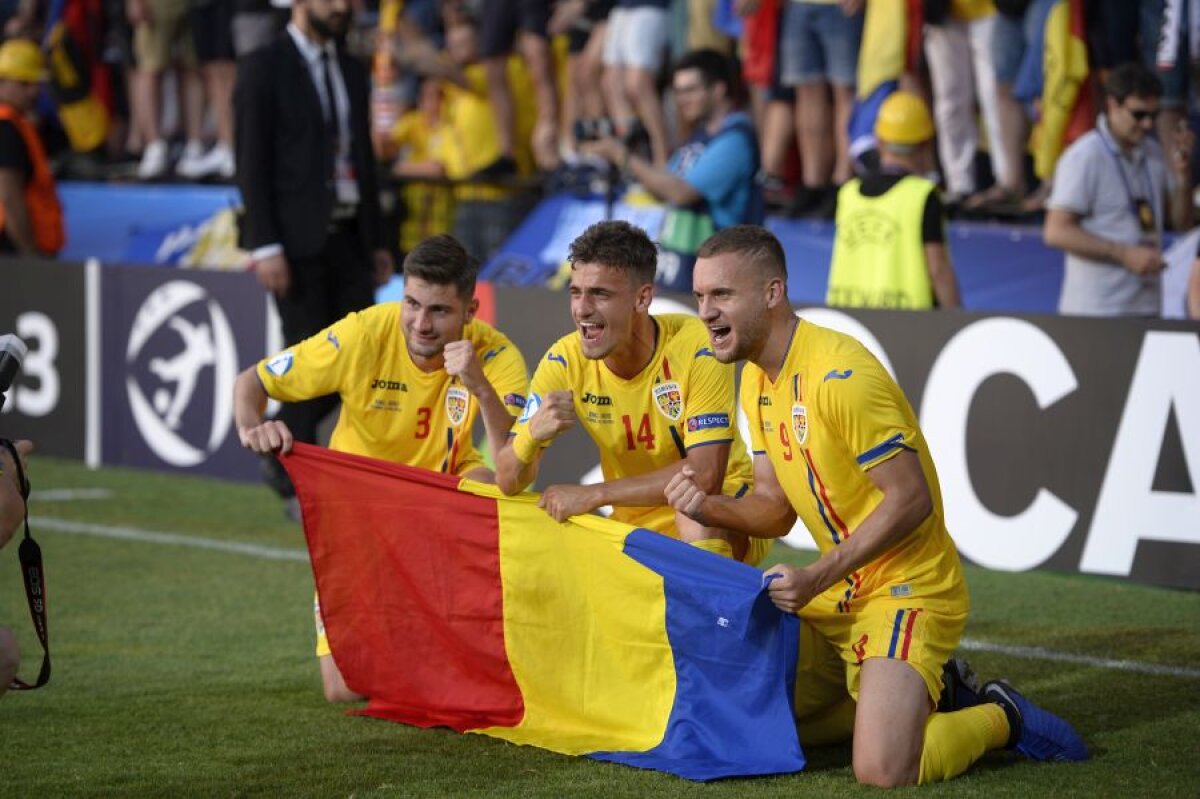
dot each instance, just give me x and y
(819, 43)
(1010, 41)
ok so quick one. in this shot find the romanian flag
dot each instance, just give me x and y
(451, 605)
(77, 79)
(1067, 108)
(891, 47)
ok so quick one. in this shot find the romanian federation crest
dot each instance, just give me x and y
(800, 423)
(457, 399)
(669, 400)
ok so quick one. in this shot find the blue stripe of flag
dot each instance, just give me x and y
(735, 667)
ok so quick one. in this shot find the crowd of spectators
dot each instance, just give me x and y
(480, 103)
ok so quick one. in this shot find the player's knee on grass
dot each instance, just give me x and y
(336, 690)
(10, 658)
(872, 769)
(889, 728)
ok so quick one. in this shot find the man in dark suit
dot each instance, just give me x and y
(307, 177)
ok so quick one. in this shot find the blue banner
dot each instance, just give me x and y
(142, 224)
(999, 267)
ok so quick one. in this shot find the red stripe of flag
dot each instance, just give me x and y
(436, 657)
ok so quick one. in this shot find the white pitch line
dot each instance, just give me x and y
(175, 539)
(280, 553)
(1038, 653)
(70, 494)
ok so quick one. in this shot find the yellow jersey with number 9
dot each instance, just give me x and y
(391, 409)
(832, 414)
(683, 398)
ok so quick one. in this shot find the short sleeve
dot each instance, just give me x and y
(504, 368)
(13, 153)
(552, 374)
(709, 401)
(725, 164)
(1074, 183)
(868, 410)
(933, 220)
(316, 366)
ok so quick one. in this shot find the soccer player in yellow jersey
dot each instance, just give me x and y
(413, 377)
(836, 443)
(646, 388)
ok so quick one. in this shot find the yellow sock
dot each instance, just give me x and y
(718, 546)
(953, 741)
(833, 725)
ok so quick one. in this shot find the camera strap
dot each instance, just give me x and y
(34, 576)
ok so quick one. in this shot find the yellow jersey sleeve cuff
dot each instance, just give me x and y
(525, 447)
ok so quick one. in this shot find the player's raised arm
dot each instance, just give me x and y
(463, 363)
(517, 462)
(249, 403)
(766, 513)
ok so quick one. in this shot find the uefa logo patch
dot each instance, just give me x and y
(457, 400)
(531, 407)
(800, 423)
(281, 364)
(669, 400)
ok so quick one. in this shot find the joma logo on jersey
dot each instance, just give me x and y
(589, 398)
(764, 401)
(388, 385)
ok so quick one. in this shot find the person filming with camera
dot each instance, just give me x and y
(710, 182)
(12, 514)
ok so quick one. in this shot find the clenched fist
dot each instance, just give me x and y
(556, 415)
(684, 495)
(463, 363)
(270, 436)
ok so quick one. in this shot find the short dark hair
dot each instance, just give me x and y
(1132, 79)
(441, 260)
(713, 67)
(619, 245)
(756, 244)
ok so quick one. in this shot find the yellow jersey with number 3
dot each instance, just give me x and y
(684, 398)
(832, 414)
(391, 409)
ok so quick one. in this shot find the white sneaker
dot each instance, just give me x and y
(217, 161)
(154, 161)
(226, 166)
(191, 161)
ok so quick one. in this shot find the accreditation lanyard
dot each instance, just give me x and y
(1144, 209)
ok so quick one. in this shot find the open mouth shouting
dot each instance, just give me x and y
(591, 332)
(720, 335)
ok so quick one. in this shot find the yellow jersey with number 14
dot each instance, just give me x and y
(832, 414)
(683, 398)
(391, 409)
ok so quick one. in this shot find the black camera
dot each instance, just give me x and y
(604, 128)
(12, 354)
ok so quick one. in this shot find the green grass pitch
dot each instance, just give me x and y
(188, 672)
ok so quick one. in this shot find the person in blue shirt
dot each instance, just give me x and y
(711, 182)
